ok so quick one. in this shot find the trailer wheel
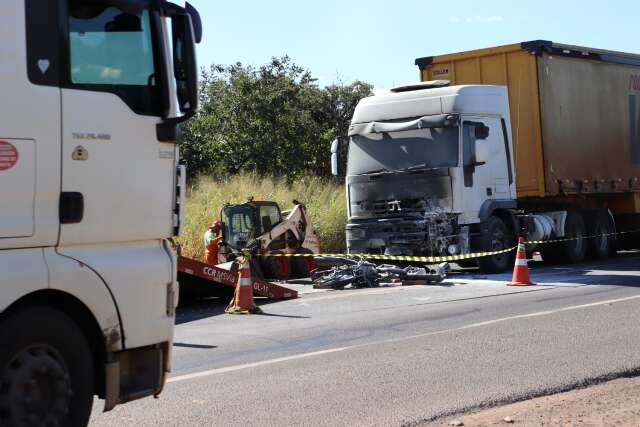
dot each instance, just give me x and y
(46, 370)
(603, 245)
(495, 237)
(569, 251)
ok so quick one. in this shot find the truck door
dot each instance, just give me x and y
(488, 179)
(30, 124)
(112, 101)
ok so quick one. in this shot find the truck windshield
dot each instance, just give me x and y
(405, 150)
(113, 51)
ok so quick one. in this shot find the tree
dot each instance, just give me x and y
(274, 120)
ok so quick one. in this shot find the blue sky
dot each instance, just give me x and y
(377, 41)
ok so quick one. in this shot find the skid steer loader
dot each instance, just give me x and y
(261, 227)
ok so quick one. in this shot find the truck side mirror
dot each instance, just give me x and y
(185, 70)
(335, 144)
(184, 63)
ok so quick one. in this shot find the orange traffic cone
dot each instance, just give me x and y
(242, 302)
(521, 269)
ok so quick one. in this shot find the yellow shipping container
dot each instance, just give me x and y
(510, 66)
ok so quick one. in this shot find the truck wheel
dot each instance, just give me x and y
(603, 245)
(496, 236)
(569, 251)
(46, 370)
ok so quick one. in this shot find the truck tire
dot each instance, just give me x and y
(46, 370)
(496, 236)
(569, 251)
(602, 246)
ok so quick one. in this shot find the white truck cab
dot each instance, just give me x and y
(428, 165)
(93, 92)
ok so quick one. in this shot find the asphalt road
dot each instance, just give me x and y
(399, 355)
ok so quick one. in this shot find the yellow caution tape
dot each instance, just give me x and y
(542, 242)
(429, 259)
(437, 259)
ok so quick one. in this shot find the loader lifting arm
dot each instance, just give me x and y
(296, 229)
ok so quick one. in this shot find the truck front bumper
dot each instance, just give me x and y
(395, 236)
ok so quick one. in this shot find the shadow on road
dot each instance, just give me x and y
(197, 309)
(621, 270)
(197, 346)
(284, 315)
(190, 311)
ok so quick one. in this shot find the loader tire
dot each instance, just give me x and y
(276, 267)
(300, 265)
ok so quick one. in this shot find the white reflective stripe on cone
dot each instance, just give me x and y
(245, 281)
(521, 261)
(521, 248)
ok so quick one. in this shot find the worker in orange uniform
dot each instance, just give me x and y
(212, 239)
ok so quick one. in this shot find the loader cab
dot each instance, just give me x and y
(242, 223)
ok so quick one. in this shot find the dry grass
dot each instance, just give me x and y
(325, 201)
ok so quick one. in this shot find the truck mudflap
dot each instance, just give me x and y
(134, 374)
(215, 275)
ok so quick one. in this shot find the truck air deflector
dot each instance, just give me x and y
(538, 47)
(441, 120)
(424, 62)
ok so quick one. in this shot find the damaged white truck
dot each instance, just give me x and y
(91, 191)
(534, 139)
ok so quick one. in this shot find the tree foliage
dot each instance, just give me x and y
(272, 120)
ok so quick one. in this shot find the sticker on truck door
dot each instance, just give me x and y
(8, 155)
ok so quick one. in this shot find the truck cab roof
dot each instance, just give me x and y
(464, 99)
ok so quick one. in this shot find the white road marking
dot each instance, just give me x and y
(393, 340)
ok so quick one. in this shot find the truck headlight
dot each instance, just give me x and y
(355, 233)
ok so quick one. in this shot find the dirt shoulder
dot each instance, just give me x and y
(615, 403)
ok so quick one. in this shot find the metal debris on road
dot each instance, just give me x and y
(339, 273)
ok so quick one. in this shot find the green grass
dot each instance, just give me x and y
(324, 199)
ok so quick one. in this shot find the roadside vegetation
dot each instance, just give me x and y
(265, 132)
(324, 198)
(274, 120)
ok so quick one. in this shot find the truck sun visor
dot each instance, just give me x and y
(441, 120)
(135, 7)
(128, 6)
